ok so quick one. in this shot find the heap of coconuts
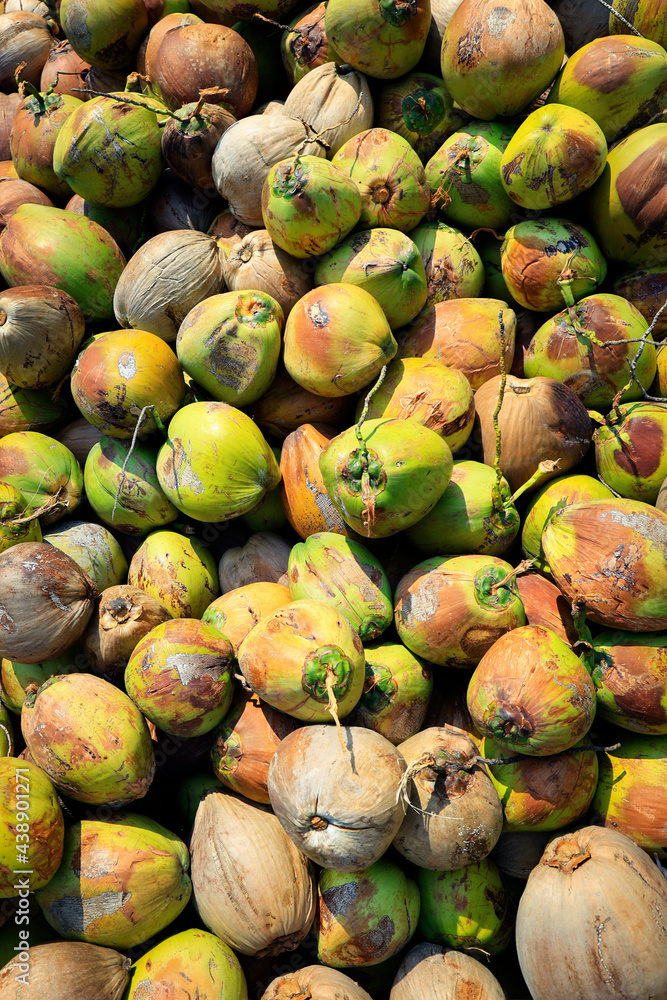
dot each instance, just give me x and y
(333, 500)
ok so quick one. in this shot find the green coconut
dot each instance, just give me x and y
(230, 345)
(309, 205)
(474, 515)
(42, 245)
(420, 108)
(32, 828)
(384, 262)
(532, 693)
(90, 739)
(630, 677)
(6, 731)
(180, 676)
(45, 472)
(646, 289)
(467, 908)
(631, 450)
(16, 678)
(123, 487)
(177, 570)
(396, 692)
(454, 269)
(546, 262)
(556, 153)
(121, 881)
(464, 176)
(304, 43)
(390, 177)
(31, 409)
(216, 463)
(127, 226)
(626, 205)
(343, 573)
(646, 16)
(35, 128)
(382, 38)
(365, 917)
(553, 496)
(94, 548)
(13, 527)
(104, 34)
(109, 152)
(196, 960)
(582, 346)
(620, 81)
(390, 478)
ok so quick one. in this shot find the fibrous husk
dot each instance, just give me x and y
(594, 896)
(124, 615)
(545, 605)
(46, 600)
(40, 330)
(316, 981)
(25, 38)
(247, 151)
(165, 278)
(263, 559)
(253, 914)
(335, 101)
(256, 262)
(174, 204)
(337, 802)
(438, 973)
(307, 504)
(8, 105)
(454, 815)
(67, 970)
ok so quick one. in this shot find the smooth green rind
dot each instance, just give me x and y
(32, 827)
(466, 908)
(95, 550)
(198, 960)
(178, 570)
(396, 693)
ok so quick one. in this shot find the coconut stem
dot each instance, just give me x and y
(583, 647)
(332, 704)
(317, 137)
(53, 501)
(523, 567)
(545, 468)
(124, 100)
(516, 758)
(498, 487)
(367, 495)
(620, 17)
(151, 406)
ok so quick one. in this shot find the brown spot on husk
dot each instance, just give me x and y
(641, 448)
(614, 66)
(642, 190)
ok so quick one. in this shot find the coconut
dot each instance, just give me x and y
(531, 693)
(384, 262)
(69, 970)
(106, 36)
(123, 489)
(45, 603)
(646, 289)
(16, 678)
(124, 615)
(125, 225)
(15, 193)
(15, 528)
(256, 262)
(285, 407)
(545, 605)
(153, 41)
(347, 832)
(8, 105)
(93, 548)
(304, 496)
(546, 262)
(391, 41)
(178, 571)
(540, 420)
(179, 674)
(132, 881)
(496, 59)
(30, 410)
(617, 593)
(631, 792)
(253, 915)
(467, 908)
(334, 100)
(475, 515)
(304, 44)
(40, 331)
(365, 917)
(580, 894)
(420, 108)
(626, 205)
(644, 17)
(582, 346)
(25, 41)
(431, 970)
(247, 151)
(64, 70)
(189, 141)
(464, 176)
(630, 677)
(454, 816)
(631, 450)
(238, 611)
(344, 574)
(167, 276)
(486, 326)
(263, 559)
(36, 126)
(104, 752)
(199, 958)
(620, 81)
(454, 269)
(316, 980)
(452, 609)
(194, 478)
(28, 799)
(50, 246)
(173, 204)
(396, 692)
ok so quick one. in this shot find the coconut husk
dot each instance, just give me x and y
(67, 970)
(263, 559)
(433, 971)
(124, 615)
(256, 262)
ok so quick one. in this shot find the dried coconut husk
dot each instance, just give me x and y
(65, 71)
(257, 909)
(245, 743)
(516, 854)
(286, 406)
(257, 263)
(67, 970)
(434, 972)
(25, 41)
(46, 600)
(337, 802)
(335, 100)
(79, 437)
(105, 81)
(188, 141)
(263, 559)
(124, 615)
(238, 611)
(41, 329)
(315, 982)
(304, 496)
(8, 105)
(454, 815)
(153, 41)
(228, 230)
(545, 605)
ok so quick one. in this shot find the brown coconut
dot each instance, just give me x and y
(66, 970)
(15, 192)
(335, 100)
(124, 615)
(433, 972)
(8, 105)
(263, 558)
(41, 329)
(316, 982)
(239, 610)
(304, 496)
(256, 262)
(286, 406)
(545, 605)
